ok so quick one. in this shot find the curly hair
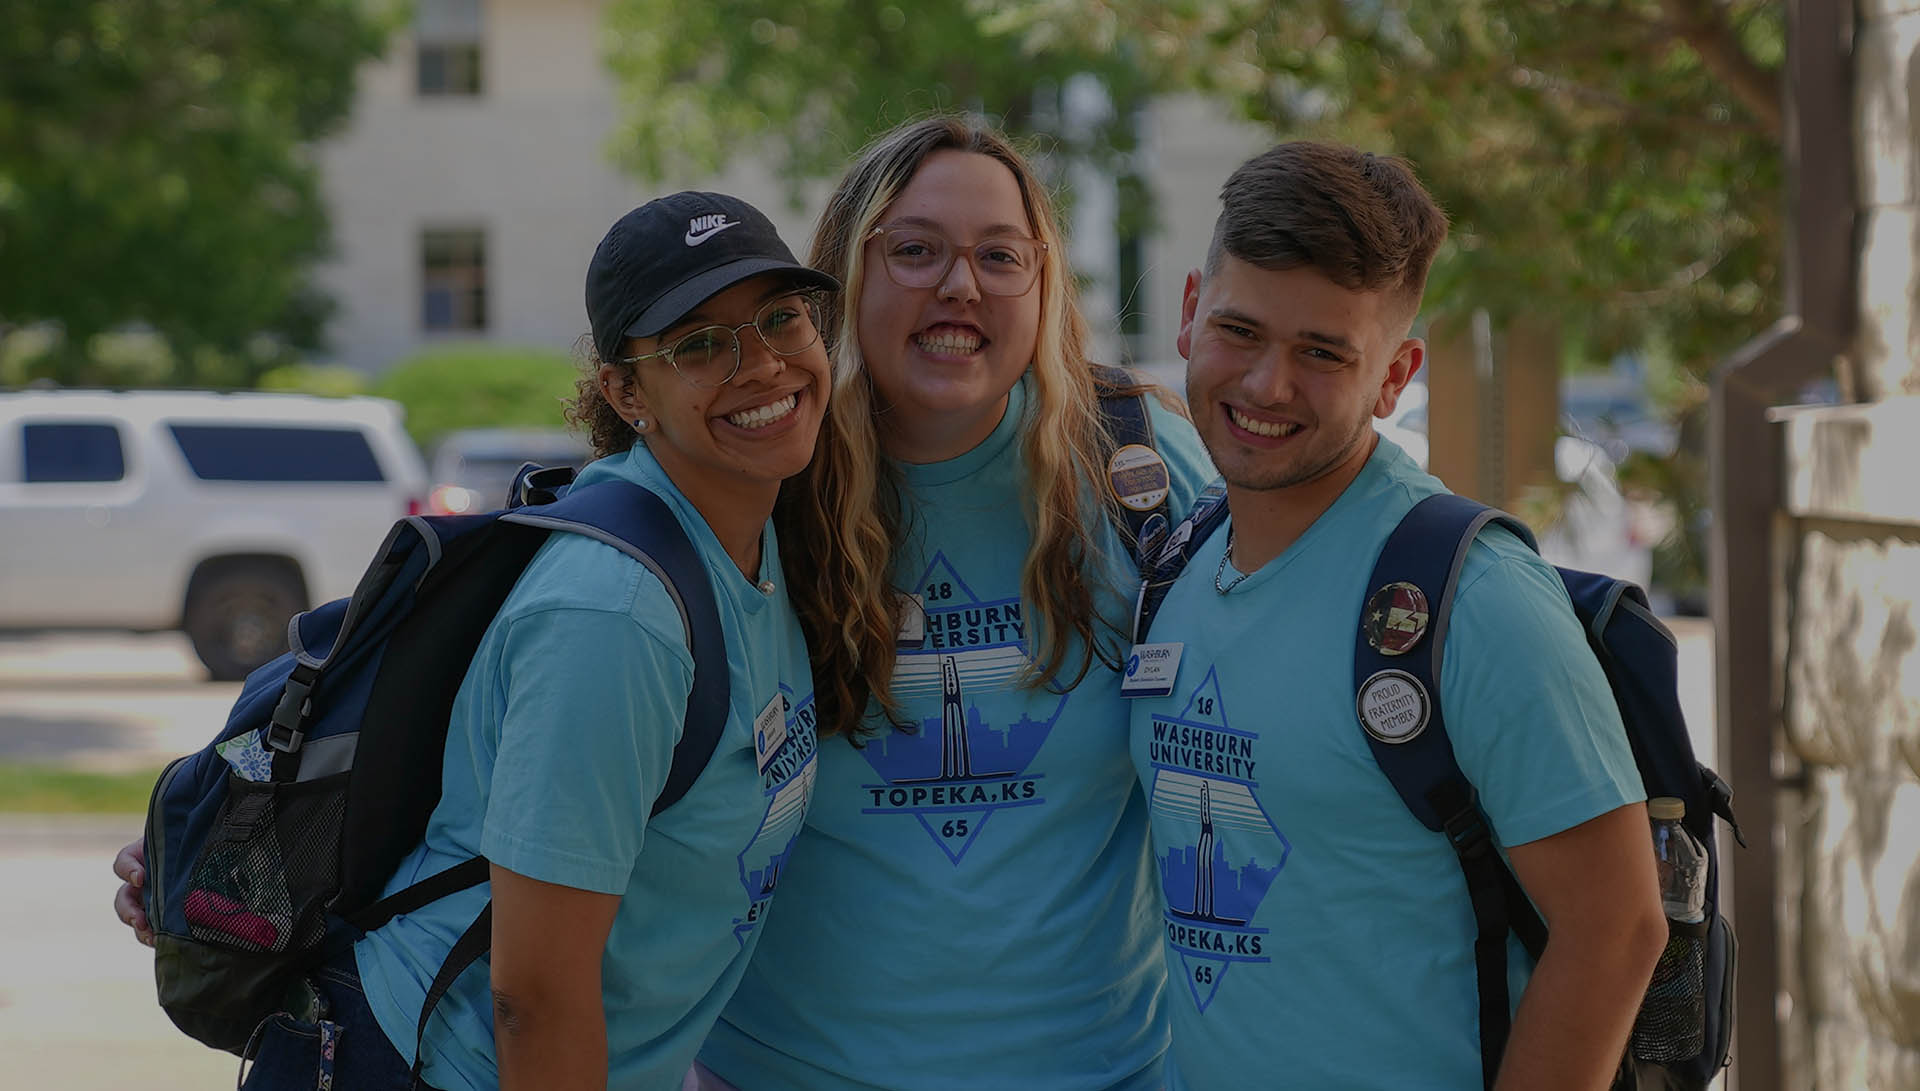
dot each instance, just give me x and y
(608, 433)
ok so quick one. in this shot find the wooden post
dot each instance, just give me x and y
(1493, 406)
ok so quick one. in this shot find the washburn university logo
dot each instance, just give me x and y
(1217, 876)
(786, 756)
(961, 766)
(702, 228)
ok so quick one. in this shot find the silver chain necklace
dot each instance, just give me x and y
(1221, 569)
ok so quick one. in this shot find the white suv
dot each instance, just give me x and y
(219, 514)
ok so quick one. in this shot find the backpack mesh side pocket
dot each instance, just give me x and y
(1671, 1024)
(266, 873)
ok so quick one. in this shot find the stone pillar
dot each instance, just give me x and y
(1850, 868)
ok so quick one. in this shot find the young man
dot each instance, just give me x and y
(1317, 935)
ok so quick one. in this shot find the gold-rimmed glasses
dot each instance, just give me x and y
(710, 356)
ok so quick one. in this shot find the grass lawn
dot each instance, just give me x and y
(46, 789)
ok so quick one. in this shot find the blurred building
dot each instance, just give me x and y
(475, 176)
(473, 181)
(1816, 582)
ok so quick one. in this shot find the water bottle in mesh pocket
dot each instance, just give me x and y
(1671, 1024)
(264, 876)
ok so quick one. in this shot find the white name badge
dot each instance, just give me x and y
(1151, 669)
(769, 731)
(913, 622)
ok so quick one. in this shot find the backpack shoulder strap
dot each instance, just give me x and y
(1130, 424)
(637, 522)
(1396, 676)
(1401, 638)
(1165, 565)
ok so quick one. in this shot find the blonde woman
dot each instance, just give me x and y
(970, 903)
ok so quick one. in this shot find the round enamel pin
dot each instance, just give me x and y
(1395, 619)
(1138, 476)
(1393, 706)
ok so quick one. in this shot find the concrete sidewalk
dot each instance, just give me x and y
(105, 702)
(77, 1009)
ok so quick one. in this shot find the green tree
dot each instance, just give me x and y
(807, 83)
(1610, 164)
(1613, 165)
(154, 175)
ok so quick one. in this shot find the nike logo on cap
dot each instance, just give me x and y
(702, 228)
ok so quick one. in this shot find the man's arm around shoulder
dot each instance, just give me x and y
(1596, 886)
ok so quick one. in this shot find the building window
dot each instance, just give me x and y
(447, 47)
(449, 69)
(453, 280)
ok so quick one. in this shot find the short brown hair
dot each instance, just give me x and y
(1362, 220)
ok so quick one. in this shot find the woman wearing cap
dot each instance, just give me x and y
(616, 937)
(970, 904)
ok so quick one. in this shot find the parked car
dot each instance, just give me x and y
(1599, 530)
(221, 515)
(1613, 411)
(472, 469)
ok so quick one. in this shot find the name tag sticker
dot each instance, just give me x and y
(769, 731)
(1151, 669)
(913, 622)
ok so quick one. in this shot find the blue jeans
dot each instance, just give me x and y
(345, 1050)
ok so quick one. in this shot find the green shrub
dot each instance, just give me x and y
(479, 386)
(331, 381)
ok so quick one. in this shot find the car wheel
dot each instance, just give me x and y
(237, 615)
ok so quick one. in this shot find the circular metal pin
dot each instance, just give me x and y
(1139, 477)
(1396, 618)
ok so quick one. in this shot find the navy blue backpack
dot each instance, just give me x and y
(269, 849)
(1683, 1032)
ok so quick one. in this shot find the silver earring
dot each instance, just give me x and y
(639, 424)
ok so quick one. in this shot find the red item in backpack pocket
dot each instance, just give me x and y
(218, 913)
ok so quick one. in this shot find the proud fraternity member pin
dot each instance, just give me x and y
(1395, 619)
(1138, 476)
(1394, 706)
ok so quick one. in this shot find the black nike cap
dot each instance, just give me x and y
(664, 258)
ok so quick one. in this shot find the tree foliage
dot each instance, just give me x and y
(807, 83)
(153, 174)
(1611, 164)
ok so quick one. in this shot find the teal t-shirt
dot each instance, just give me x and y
(1316, 934)
(560, 740)
(970, 904)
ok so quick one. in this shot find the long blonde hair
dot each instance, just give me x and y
(842, 521)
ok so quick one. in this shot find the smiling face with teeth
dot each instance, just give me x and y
(1285, 370)
(730, 446)
(943, 359)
